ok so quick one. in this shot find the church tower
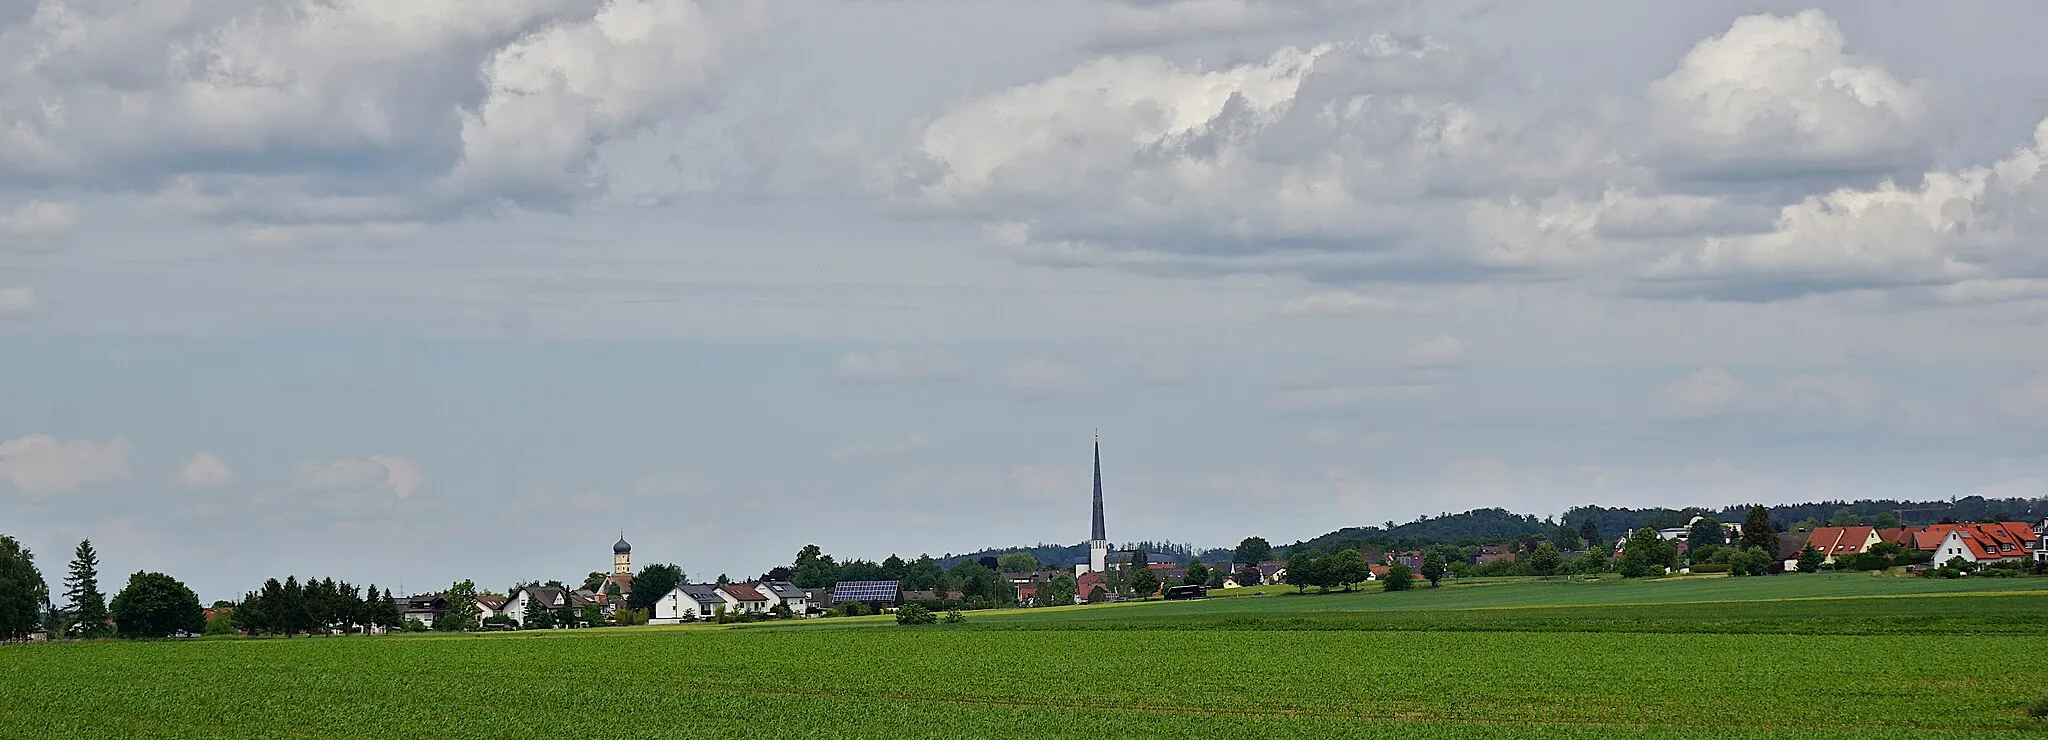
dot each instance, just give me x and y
(622, 557)
(1098, 539)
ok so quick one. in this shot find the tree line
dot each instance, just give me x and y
(150, 605)
(318, 606)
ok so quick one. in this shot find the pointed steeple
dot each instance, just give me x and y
(1097, 534)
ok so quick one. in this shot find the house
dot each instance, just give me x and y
(1487, 554)
(1901, 536)
(1411, 558)
(1985, 543)
(544, 598)
(1675, 534)
(1089, 588)
(1789, 546)
(785, 594)
(821, 599)
(688, 602)
(1027, 594)
(490, 605)
(745, 597)
(1833, 542)
(2041, 543)
(423, 608)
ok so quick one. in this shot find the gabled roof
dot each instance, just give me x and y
(701, 592)
(743, 592)
(1832, 541)
(493, 601)
(785, 590)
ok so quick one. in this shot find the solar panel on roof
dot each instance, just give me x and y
(865, 591)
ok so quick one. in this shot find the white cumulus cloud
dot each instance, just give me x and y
(1706, 393)
(205, 470)
(396, 475)
(18, 301)
(41, 466)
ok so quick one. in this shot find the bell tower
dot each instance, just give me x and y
(622, 556)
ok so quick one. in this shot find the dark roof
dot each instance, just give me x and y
(784, 589)
(1790, 543)
(866, 591)
(701, 592)
(622, 548)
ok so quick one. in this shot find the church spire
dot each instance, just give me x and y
(1097, 533)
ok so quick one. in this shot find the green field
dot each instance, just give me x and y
(1720, 658)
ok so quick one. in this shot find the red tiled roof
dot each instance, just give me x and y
(1990, 541)
(1831, 541)
(744, 592)
(1901, 535)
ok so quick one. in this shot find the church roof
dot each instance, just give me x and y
(622, 548)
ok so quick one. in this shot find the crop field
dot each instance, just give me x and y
(1314, 666)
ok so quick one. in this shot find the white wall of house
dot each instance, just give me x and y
(1953, 546)
(669, 609)
(796, 604)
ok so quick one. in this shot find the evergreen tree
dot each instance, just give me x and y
(23, 594)
(1757, 531)
(88, 607)
(1565, 537)
(1589, 534)
(531, 617)
(291, 609)
(1809, 560)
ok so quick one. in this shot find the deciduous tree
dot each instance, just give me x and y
(654, 582)
(1057, 592)
(1017, 562)
(1144, 583)
(1545, 561)
(23, 593)
(1705, 532)
(461, 615)
(156, 605)
(1433, 567)
(1398, 578)
(1252, 551)
(1300, 570)
(1345, 568)
(1198, 574)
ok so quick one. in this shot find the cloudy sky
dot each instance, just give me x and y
(407, 291)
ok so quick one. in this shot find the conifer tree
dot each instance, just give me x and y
(88, 606)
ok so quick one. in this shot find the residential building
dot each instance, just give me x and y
(785, 594)
(1833, 542)
(745, 597)
(545, 598)
(689, 601)
(424, 608)
(2041, 543)
(488, 606)
(1985, 543)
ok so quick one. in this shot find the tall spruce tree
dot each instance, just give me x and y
(1757, 531)
(85, 602)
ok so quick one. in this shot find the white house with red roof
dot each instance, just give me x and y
(1998, 542)
(1833, 542)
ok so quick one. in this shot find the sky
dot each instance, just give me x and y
(410, 291)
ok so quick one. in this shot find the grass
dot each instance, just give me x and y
(1723, 658)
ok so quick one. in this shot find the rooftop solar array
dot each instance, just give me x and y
(865, 591)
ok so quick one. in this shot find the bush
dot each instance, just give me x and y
(915, 614)
(414, 625)
(1398, 578)
(2039, 708)
(953, 616)
(1711, 568)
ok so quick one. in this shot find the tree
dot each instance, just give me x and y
(1705, 532)
(462, 612)
(654, 582)
(1433, 567)
(1885, 520)
(913, 613)
(1589, 533)
(1016, 562)
(1057, 592)
(1845, 518)
(1345, 568)
(533, 616)
(23, 593)
(1544, 561)
(1565, 537)
(1145, 583)
(1646, 554)
(1198, 574)
(1749, 561)
(222, 623)
(1809, 560)
(813, 569)
(1252, 551)
(156, 605)
(594, 580)
(88, 607)
(1757, 531)
(1398, 578)
(1300, 571)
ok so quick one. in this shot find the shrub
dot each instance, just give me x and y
(1710, 568)
(414, 625)
(915, 614)
(2039, 708)
(1398, 578)
(953, 616)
